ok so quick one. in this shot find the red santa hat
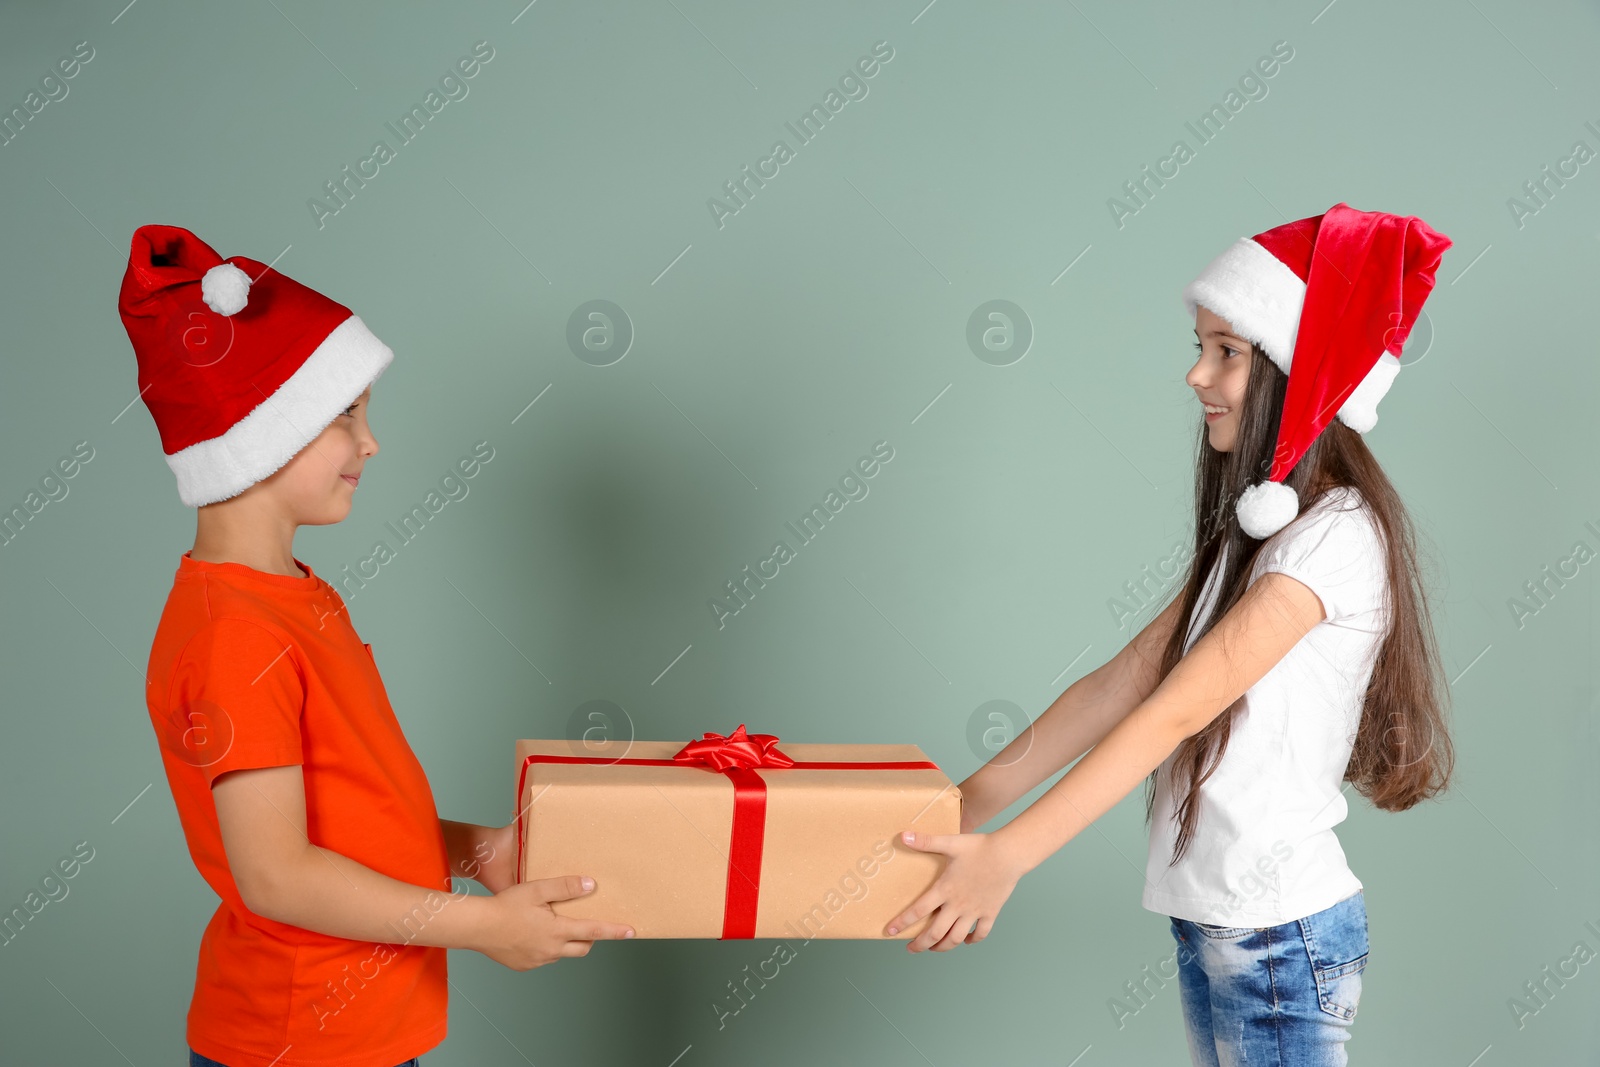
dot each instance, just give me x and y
(1333, 297)
(240, 365)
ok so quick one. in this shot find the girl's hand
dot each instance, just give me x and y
(976, 881)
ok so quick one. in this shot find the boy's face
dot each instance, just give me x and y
(316, 487)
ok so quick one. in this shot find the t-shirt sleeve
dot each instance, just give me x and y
(1335, 552)
(236, 700)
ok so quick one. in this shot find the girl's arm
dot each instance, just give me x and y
(1270, 619)
(1078, 719)
(1275, 612)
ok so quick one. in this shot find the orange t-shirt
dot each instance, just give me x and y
(250, 669)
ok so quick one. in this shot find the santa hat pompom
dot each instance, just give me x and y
(225, 289)
(1266, 508)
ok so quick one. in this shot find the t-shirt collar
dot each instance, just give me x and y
(241, 572)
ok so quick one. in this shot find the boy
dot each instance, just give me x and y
(302, 804)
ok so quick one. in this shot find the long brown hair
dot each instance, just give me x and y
(1402, 753)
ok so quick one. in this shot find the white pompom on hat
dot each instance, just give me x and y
(1334, 297)
(225, 289)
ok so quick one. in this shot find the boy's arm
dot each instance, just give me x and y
(282, 876)
(475, 851)
(1077, 721)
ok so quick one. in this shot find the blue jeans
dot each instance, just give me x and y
(1273, 996)
(197, 1060)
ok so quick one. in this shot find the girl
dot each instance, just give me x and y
(1307, 660)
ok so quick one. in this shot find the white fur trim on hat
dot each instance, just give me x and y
(1261, 298)
(1266, 507)
(1257, 293)
(348, 360)
(225, 289)
(1360, 409)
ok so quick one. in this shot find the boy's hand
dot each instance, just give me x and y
(976, 881)
(524, 932)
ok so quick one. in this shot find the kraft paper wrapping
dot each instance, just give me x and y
(656, 838)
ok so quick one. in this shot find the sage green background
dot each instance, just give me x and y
(775, 351)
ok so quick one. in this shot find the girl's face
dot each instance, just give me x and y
(317, 486)
(1219, 376)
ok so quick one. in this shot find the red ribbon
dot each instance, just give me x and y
(737, 755)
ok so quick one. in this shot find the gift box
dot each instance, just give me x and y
(734, 837)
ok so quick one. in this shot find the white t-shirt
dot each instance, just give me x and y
(1264, 851)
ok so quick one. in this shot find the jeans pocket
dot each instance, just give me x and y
(1224, 933)
(1336, 941)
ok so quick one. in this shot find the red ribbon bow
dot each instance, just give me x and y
(738, 749)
